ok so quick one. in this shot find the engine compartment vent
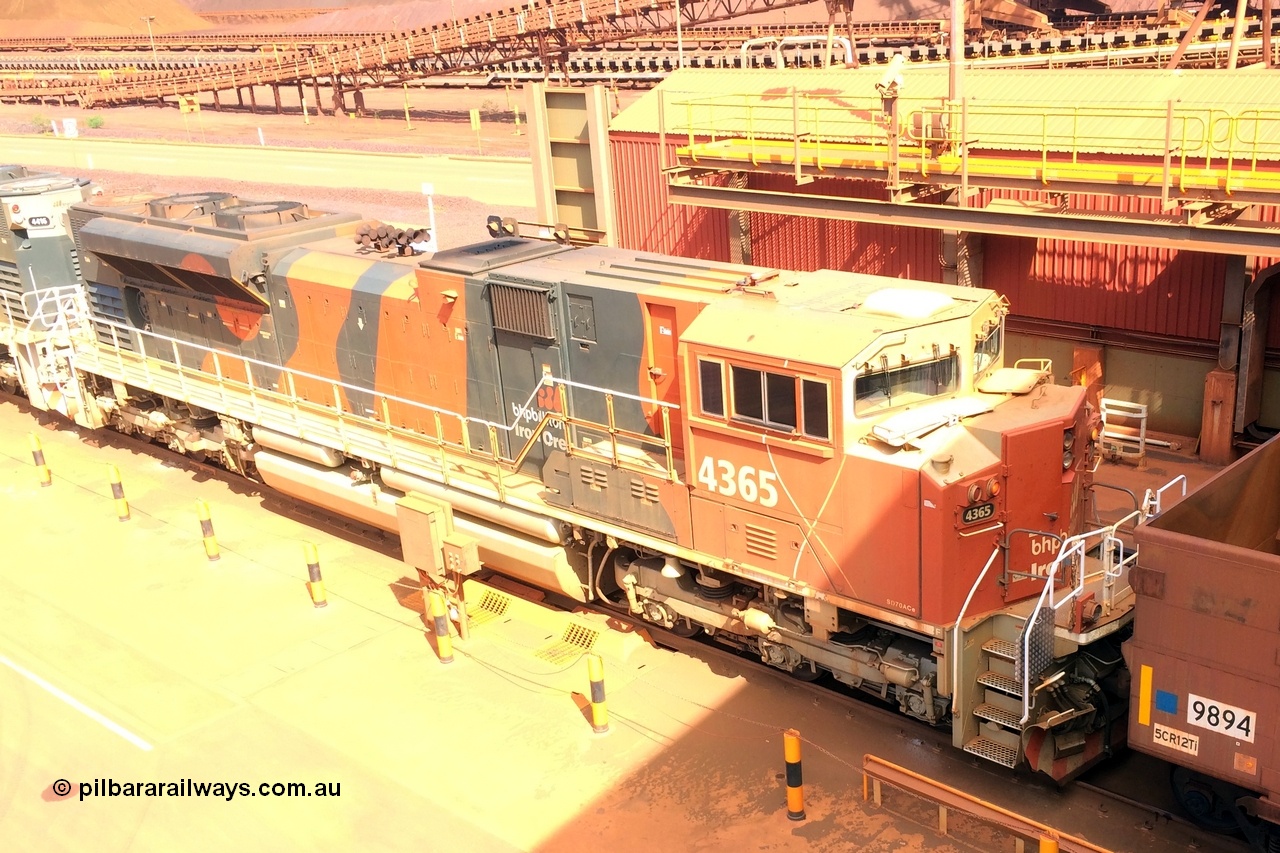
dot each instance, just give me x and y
(190, 205)
(246, 217)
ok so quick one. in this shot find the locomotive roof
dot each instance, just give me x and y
(827, 317)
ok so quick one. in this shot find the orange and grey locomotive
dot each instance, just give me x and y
(835, 472)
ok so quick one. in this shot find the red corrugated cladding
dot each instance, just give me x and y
(1132, 288)
(810, 243)
(646, 221)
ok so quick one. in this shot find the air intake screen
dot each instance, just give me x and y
(523, 310)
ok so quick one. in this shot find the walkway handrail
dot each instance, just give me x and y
(166, 343)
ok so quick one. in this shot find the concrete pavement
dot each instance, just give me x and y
(228, 674)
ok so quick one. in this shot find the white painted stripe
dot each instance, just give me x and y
(78, 705)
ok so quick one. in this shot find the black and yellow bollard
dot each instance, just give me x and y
(117, 493)
(37, 456)
(315, 583)
(440, 619)
(599, 713)
(206, 530)
(795, 781)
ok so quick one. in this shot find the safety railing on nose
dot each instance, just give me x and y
(1153, 500)
(321, 408)
(55, 309)
(1072, 555)
(1185, 148)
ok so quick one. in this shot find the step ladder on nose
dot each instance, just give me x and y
(1000, 712)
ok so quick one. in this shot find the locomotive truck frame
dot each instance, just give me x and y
(835, 472)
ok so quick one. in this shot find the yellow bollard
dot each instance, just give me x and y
(599, 713)
(37, 456)
(117, 492)
(795, 780)
(206, 530)
(1048, 844)
(440, 618)
(315, 583)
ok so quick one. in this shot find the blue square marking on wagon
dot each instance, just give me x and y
(1166, 702)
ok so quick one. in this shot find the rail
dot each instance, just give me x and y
(1153, 501)
(876, 773)
(1182, 150)
(226, 382)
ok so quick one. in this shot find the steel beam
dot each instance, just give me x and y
(1157, 232)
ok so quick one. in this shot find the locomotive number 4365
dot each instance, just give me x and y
(748, 483)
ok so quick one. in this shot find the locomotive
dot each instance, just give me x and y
(835, 472)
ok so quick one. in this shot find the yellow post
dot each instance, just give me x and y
(117, 492)
(37, 456)
(206, 530)
(440, 619)
(795, 780)
(1048, 844)
(408, 124)
(315, 583)
(599, 713)
(306, 119)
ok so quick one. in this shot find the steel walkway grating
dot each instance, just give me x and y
(999, 716)
(992, 751)
(1003, 683)
(1001, 648)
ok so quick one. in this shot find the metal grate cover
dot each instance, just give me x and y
(492, 605)
(1001, 648)
(523, 310)
(1040, 647)
(999, 716)
(573, 643)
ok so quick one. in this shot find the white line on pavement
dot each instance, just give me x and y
(78, 705)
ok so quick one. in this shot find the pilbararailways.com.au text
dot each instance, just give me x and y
(191, 788)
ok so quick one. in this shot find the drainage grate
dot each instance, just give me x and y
(573, 643)
(492, 605)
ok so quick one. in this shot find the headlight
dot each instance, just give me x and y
(1067, 458)
(1068, 439)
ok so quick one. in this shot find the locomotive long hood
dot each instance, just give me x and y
(204, 263)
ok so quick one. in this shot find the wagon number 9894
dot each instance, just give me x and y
(748, 483)
(1215, 716)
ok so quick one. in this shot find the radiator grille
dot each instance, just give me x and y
(523, 310)
(762, 542)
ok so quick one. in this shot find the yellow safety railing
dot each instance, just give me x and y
(1195, 145)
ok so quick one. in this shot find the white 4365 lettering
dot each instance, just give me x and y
(747, 483)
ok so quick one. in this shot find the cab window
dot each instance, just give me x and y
(879, 387)
(986, 350)
(711, 387)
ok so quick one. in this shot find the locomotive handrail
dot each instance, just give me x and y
(1073, 547)
(958, 636)
(1152, 502)
(292, 399)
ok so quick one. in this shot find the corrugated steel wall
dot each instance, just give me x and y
(810, 243)
(1130, 288)
(1157, 292)
(645, 220)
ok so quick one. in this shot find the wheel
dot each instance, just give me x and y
(685, 628)
(1207, 802)
(805, 673)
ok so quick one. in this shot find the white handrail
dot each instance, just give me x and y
(959, 629)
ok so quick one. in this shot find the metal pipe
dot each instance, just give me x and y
(1242, 9)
